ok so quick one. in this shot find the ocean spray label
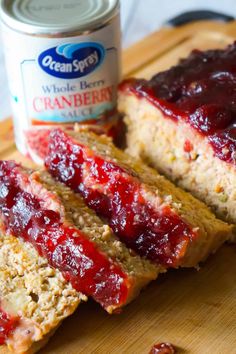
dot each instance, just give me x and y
(73, 60)
(76, 82)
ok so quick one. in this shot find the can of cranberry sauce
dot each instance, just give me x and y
(63, 64)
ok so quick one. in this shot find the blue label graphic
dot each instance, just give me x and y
(71, 61)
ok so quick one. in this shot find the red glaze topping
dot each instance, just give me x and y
(163, 348)
(201, 90)
(65, 247)
(159, 235)
(7, 325)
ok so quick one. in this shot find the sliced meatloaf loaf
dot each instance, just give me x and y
(55, 220)
(34, 297)
(183, 122)
(147, 212)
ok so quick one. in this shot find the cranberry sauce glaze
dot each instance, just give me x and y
(163, 348)
(158, 234)
(7, 325)
(200, 90)
(65, 247)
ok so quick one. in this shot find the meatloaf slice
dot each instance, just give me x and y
(183, 122)
(34, 297)
(148, 213)
(55, 220)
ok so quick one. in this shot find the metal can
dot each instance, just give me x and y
(63, 63)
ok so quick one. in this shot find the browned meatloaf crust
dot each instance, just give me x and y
(183, 122)
(34, 293)
(148, 213)
(56, 221)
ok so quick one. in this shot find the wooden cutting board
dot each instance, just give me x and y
(194, 310)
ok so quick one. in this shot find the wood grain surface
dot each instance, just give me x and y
(194, 310)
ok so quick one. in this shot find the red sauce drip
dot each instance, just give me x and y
(161, 236)
(201, 90)
(7, 325)
(65, 248)
(224, 143)
(163, 348)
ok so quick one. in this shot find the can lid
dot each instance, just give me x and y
(56, 16)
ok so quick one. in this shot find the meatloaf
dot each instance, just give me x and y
(55, 220)
(147, 212)
(34, 297)
(183, 122)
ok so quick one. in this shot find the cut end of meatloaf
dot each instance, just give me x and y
(34, 298)
(180, 152)
(38, 209)
(183, 122)
(147, 212)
